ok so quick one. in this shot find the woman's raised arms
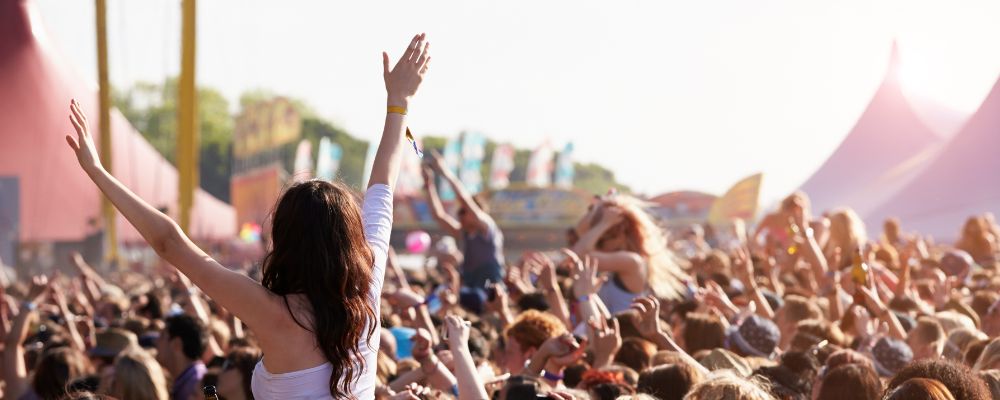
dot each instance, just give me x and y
(234, 291)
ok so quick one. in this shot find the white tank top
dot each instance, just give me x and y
(314, 383)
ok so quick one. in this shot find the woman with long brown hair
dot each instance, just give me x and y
(316, 310)
(628, 246)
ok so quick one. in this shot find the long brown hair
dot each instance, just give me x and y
(318, 249)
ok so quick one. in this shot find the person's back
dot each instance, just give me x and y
(315, 311)
(303, 368)
(483, 256)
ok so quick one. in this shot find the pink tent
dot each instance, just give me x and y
(887, 147)
(57, 200)
(963, 180)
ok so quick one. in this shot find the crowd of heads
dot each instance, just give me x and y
(778, 310)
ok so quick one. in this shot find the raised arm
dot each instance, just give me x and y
(238, 293)
(463, 195)
(617, 261)
(444, 220)
(401, 84)
(470, 384)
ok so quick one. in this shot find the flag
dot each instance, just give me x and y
(328, 159)
(564, 167)
(740, 201)
(369, 163)
(302, 166)
(470, 173)
(500, 166)
(540, 166)
(452, 158)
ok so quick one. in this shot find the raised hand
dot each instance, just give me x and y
(612, 216)
(588, 282)
(427, 173)
(436, 162)
(605, 340)
(402, 81)
(39, 288)
(83, 144)
(413, 391)
(648, 308)
(458, 331)
(562, 350)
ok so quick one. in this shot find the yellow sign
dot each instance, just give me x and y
(266, 125)
(740, 201)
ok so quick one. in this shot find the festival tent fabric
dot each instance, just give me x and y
(962, 181)
(57, 200)
(886, 148)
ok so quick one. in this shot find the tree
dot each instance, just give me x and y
(152, 109)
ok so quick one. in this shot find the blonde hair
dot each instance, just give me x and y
(847, 232)
(724, 385)
(975, 238)
(138, 376)
(643, 237)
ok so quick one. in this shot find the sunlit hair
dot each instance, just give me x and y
(989, 358)
(920, 389)
(890, 231)
(847, 232)
(319, 250)
(642, 236)
(796, 199)
(532, 328)
(975, 238)
(726, 385)
(138, 376)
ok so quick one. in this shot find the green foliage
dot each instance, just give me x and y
(352, 164)
(152, 109)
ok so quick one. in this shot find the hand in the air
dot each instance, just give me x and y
(83, 144)
(402, 81)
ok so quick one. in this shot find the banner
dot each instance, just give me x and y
(549, 207)
(740, 201)
(501, 166)
(254, 193)
(369, 163)
(302, 166)
(328, 159)
(471, 172)
(564, 167)
(265, 125)
(452, 160)
(540, 167)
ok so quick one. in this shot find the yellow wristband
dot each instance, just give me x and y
(396, 110)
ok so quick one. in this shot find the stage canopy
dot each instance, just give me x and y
(887, 147)
(961, 181)
(57, 200)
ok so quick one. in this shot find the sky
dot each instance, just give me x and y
(670, 95)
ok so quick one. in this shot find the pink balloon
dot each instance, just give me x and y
(418, 242)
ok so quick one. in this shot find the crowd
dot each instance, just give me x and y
(800, 306)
